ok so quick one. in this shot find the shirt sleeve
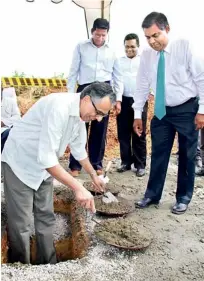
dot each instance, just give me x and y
(50, 137)
(142, 89)
(74, 70)
(196, 66)
(78, 145)
(117, 78)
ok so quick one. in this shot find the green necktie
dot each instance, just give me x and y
(159, 108)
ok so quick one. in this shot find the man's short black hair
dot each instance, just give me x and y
(132, 36)
(155, 18)
(100, 23)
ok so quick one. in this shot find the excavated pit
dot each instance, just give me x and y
(70, 234)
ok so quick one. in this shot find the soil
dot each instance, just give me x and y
(114, 208)
(124, 232)
(114, 188)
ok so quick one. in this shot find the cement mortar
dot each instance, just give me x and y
(121, 207)
(112, 187)
(126, 233)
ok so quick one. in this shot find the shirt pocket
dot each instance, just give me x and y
(179, 75)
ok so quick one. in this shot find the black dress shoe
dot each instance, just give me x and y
(179, 208)
(145, 202)
(123, 168)
(140, 172)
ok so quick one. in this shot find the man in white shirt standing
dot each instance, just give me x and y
(9, 114)
(94, 60)
(30, 161)
(132, 147)
(176, 76)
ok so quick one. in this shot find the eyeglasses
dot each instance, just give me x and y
(98, 112)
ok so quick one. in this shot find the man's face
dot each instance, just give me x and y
(131, 48)
(157, 38)
(99, 36)
(90, 111)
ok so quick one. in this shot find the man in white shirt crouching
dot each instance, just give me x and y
(30, 161)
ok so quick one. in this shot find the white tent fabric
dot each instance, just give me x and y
(94, 9)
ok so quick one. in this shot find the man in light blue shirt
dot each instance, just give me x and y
(94, 60)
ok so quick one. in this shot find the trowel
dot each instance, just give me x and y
(108, 197)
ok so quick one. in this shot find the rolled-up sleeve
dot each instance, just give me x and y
(50, 138)
(142, 89)
(117, 77)
(77, 146)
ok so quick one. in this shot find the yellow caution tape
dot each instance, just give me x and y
(21, 81)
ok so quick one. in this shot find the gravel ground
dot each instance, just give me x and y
(177, 251)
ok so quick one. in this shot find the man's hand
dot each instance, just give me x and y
(85, 199)
(2, 124)
(118, 107)
(137, 126)
(98, 184)
(199, 121)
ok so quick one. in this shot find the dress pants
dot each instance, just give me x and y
(202, 145)
(21, 202)
(132, 147)
(177, 119)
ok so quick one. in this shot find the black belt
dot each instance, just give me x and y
(87, 84)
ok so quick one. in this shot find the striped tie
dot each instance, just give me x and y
(159, 108)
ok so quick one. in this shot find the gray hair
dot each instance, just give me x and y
(99, 90)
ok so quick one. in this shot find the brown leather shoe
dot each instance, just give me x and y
(74, 173)
(99, 172)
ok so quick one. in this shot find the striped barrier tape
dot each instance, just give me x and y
(21, 81)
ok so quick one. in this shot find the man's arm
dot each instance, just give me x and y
(49, 142)
(74, 70)
(140, 96)
(142, 89)
(196, 66)
(78, 150)
(117, 78)
(83, 196)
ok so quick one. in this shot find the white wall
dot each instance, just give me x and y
(38, 38)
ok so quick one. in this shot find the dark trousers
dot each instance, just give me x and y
(202, 145)
(21, 201)
(132, 147)
(178, 119)
(96, 141)
(4, 137)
